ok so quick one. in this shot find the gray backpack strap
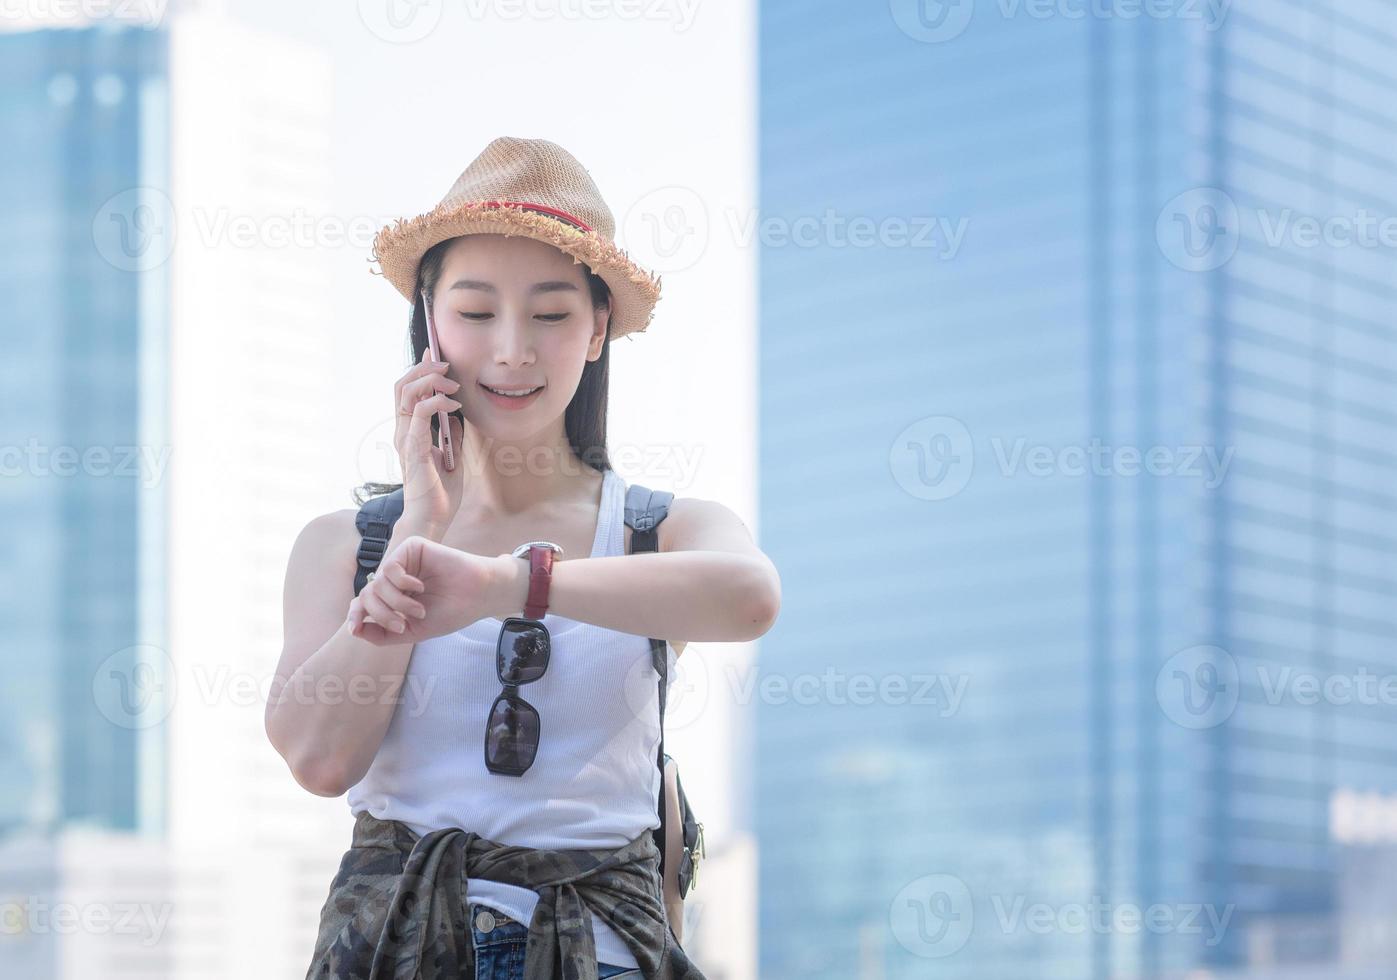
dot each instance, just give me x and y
(375, 522)
(645, 509)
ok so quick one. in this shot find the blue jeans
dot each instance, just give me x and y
(499, 950)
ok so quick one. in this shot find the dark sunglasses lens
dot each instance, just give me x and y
(511, 734)
(523, 652)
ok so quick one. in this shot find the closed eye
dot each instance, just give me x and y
(546, 317)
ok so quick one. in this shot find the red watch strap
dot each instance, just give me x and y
(540, 577)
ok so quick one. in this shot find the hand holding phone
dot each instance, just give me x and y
(443, 420)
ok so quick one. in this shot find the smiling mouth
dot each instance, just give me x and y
(512, 392)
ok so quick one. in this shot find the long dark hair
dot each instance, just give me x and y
(585, 417)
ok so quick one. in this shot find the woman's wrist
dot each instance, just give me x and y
(407, 526)
(509, 586)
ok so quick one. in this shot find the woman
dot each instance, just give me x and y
(504, 830)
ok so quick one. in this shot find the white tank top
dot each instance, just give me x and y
(594, 782)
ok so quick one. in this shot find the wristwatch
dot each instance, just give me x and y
(540, 555)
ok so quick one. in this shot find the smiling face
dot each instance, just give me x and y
(516, 315)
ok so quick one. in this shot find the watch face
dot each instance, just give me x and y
(523, 550)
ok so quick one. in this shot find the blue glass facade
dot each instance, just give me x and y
(76, 111)
(954, 437)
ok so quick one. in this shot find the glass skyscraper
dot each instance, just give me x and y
(81, 289)
(1078, 436)
(124, 552)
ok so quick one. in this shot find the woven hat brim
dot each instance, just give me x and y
(398, 249)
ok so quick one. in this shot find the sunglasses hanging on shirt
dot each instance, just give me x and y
(513, 727)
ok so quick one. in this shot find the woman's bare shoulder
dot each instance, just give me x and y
(697, 523)
(328, 541)
(319, 580)
(331, 532)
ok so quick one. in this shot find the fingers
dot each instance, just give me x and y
(357, 620)
(419, 430)
(418, 371)
(367, 606)
(428, 384)
(419, 382)
(413, 393)
(384, 604)
(381, 612)
(374, 633)
(394, 596)
(400, 577)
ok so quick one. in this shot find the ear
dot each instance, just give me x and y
(601, 322)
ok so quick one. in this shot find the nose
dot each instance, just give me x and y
(513, 342)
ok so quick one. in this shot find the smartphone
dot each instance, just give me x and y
(443, 420)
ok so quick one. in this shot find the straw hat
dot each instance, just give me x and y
(532, 188)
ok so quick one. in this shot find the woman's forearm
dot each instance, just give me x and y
(329, 717)
(677, 595)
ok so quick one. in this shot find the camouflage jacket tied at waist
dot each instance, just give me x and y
(397, 908)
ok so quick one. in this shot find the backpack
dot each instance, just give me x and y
(644, 510)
